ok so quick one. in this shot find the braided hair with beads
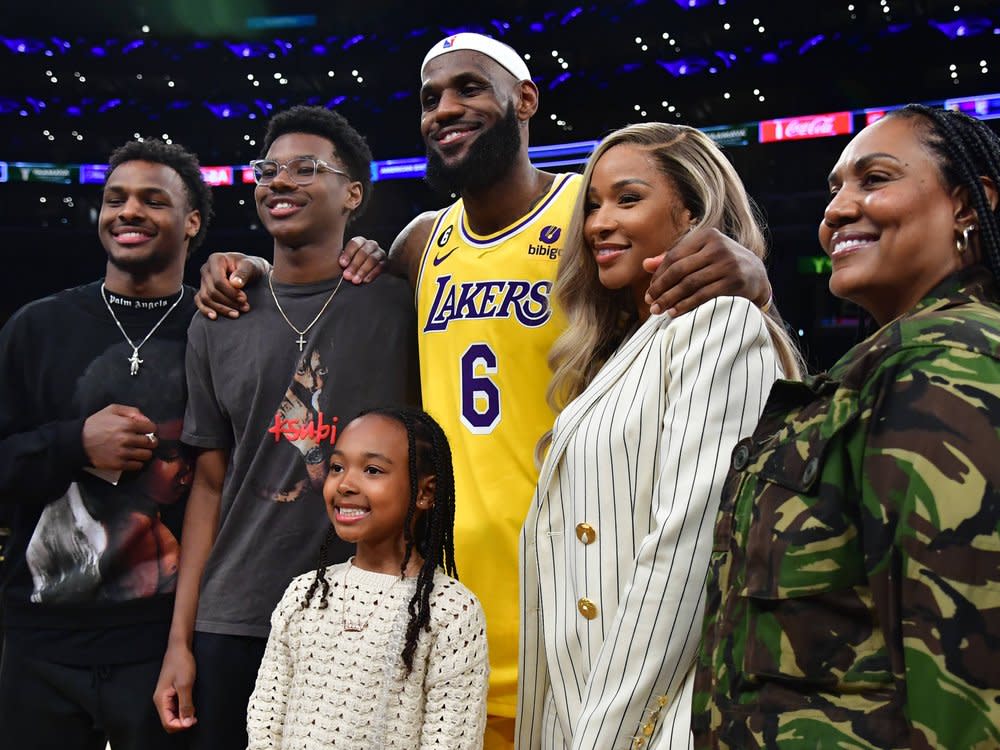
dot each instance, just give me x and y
(966, 150)
(431, 535)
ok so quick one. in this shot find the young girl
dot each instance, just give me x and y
(384, 650)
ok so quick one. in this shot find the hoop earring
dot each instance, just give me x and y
(962, 241)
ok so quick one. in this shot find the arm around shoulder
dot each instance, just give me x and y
(224, 276)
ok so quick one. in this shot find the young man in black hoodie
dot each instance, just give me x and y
(92, 473)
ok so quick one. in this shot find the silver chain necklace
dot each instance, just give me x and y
(301, 341)
(134, 360)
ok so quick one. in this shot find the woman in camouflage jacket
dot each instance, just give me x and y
(853, 598)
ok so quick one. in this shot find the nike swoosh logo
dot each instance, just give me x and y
(439, 259)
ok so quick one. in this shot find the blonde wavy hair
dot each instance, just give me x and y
(600, 318)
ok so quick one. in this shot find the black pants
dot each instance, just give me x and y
(47, 706)
(226, 672)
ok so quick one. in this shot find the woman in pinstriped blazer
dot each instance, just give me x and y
(616, 543)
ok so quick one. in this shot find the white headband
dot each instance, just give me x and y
(499, 52)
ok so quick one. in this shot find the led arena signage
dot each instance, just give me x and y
(810, 126)
(216, 176)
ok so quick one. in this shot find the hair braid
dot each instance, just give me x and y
(320, 579)
(960, 143)
(437, 531)
(967, 150)
(411, 510)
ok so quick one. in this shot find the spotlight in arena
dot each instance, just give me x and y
(963, 27)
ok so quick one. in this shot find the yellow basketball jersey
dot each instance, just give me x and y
(486, 325)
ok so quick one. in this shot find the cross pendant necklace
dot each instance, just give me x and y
(301, 340)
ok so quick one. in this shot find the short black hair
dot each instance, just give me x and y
(349, 145)
(184, 163)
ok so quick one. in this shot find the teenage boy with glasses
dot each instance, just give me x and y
(267, 393)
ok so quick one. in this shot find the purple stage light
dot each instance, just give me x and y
(684, 67)
(23, 46)
(771, 58)
(353, 40)
(133, 46)
(536, 27)
(219, 110)
(963, 27)
(242, 50)
(559, 80)
(726, 57)
(109, 104)
(222, 110)
(810, 43)
(98, 51)
(571, 15)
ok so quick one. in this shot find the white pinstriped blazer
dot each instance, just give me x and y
(640, 456)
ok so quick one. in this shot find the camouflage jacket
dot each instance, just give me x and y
(853, 597)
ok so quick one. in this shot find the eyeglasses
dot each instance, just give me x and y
(302, 171)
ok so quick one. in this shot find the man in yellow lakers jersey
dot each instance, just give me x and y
(482, 270)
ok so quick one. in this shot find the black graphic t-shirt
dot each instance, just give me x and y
(92, 563)
(275, 401)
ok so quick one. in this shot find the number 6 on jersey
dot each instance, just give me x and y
(480, 395)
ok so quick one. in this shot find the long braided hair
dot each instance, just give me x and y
(966, 150)
(431, 535)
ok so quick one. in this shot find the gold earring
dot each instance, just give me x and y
(962, 241)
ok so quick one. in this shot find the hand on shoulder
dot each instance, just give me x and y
(223, 278)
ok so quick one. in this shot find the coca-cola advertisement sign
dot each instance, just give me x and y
(810, 126)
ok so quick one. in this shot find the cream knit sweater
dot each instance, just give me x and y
(320, 686)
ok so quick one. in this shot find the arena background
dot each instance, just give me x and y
(82, 78)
